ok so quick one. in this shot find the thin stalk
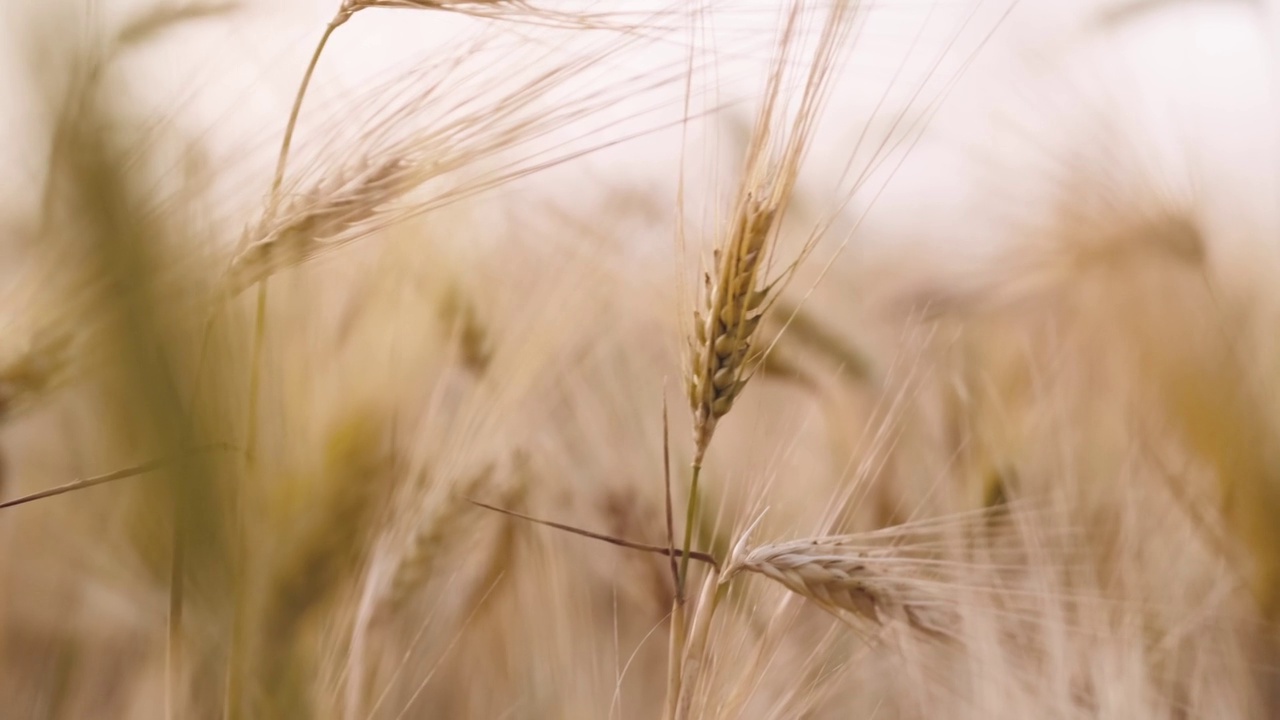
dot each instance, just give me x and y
(255, 378)
(236, 658)
(173, 659)
(696, 644)
(679, 620)
(234, 691)
(289, 127)
(675, 657)
(233, 708)
(675, 643)
(260, 323)
(691, 515)
(667, 501)
(680, 609)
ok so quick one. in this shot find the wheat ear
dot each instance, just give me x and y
(842, 580)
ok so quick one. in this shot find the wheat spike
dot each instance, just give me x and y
(738, 290)
(455, 121)
(318, 220)
(723, 340)
(430, 534)
(842, 580)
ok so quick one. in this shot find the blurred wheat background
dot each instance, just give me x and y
(921, 355)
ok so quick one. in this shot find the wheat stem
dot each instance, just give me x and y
(260, 323)
(173, 658)
(696, 644)
(235, 658)
(255, 377)
(289, 127)
(691, 514)
(675, 657)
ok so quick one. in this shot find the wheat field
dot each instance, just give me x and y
(876, 359)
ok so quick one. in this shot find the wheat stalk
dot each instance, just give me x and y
(738, 289)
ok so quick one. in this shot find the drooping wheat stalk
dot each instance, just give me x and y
(440, 134)
(360, 196)
(360, 193)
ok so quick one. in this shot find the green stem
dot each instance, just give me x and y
(690, 518)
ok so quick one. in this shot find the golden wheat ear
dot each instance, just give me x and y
(737, 290)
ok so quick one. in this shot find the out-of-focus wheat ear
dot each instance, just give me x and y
(319, 552)
(297, 231)
(29, 371)
(807, 331)
(513, 493)
(430, 533)
(458, 312)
